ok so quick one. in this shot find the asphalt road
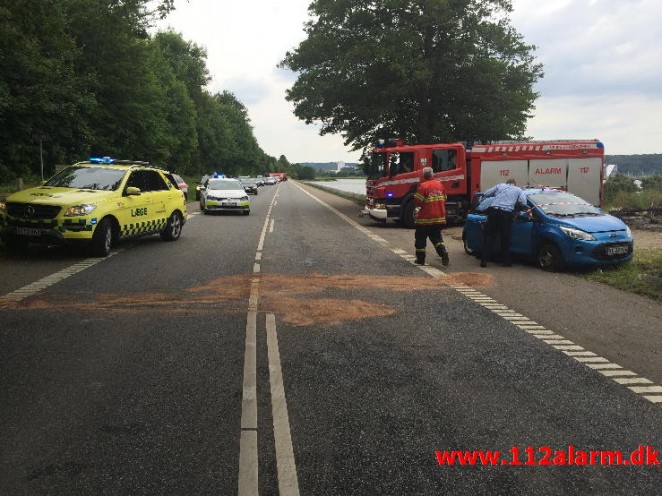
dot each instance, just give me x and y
(298, 350)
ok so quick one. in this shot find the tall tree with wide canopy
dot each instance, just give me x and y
(422, 70)
(40, 92)
(244, 152)
(85, 77)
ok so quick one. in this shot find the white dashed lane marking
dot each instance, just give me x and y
(614, 371)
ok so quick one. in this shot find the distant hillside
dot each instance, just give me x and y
(637, 165)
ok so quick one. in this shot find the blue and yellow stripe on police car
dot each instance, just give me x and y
(144, 227)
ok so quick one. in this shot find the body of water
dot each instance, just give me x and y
(347, 185)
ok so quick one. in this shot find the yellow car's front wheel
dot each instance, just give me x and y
(102, 239)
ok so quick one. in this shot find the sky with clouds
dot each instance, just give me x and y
(602, 62)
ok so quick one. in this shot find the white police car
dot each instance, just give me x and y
(222, 194)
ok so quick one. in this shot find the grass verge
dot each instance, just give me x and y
(642, 276)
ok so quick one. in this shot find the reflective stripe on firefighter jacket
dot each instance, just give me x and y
(431, 197)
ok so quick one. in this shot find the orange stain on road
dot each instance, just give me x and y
(297, 300)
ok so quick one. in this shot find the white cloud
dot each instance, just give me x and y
(248, 91)
(602, 72)
(601, 62)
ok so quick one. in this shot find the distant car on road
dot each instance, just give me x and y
(270, 181)
(559, 230)
(181, 184)
(250, 186)
(224, 195)
(200, 186)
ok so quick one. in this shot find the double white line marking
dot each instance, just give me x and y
(248, 451)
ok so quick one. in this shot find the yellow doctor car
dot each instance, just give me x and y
(95, 203)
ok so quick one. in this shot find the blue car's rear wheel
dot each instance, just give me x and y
(467, 248)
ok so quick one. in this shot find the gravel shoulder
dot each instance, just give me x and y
(647, 240)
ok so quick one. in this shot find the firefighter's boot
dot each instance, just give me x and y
(443, 253)
(420, 257)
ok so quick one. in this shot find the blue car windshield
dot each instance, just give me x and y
(562, 204)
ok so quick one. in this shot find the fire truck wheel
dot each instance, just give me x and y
(407, 218)
(550, 258)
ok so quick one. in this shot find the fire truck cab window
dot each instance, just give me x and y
(401, 163)
(443, 160)
(375, 166)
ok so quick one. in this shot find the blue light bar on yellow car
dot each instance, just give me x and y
(101, 160)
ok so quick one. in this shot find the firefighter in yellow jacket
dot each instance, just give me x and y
(430, 201)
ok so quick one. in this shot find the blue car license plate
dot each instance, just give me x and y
(617, 250)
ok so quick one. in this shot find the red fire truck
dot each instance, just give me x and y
(281, 176)
(394, 171)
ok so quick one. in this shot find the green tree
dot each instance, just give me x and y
(88, 74)
(421, 70)
(187, 61)
(128, 119)
(283, 165)
(214, 137)
(244, 151)
(298, 171)
(40, 92)
(182, 72)
(307, 172)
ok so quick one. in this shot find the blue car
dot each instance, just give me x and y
(559, 230)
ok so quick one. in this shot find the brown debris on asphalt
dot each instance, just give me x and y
(297, 300)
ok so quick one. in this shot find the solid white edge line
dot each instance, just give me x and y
(288, 484)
